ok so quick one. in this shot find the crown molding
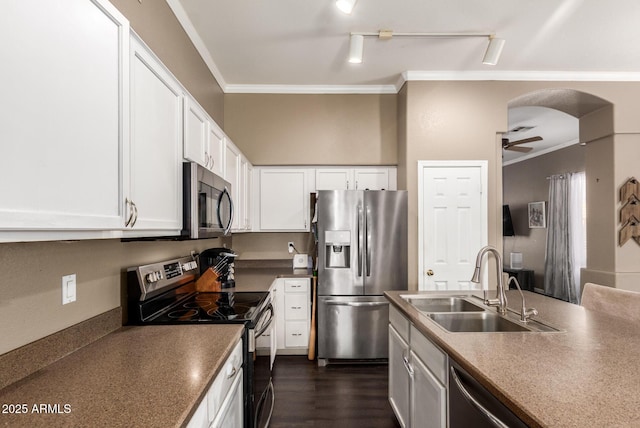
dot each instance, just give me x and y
(562, 76)
(311, 89)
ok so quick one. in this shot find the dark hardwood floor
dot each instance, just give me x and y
(334, 396)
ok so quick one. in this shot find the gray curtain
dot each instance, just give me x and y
(559, 280)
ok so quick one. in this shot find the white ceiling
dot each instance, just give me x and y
(302, 45)
(557, 129)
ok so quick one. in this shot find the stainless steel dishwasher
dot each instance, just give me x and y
(471, 405)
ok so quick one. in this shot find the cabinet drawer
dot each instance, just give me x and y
(296, 285)
(222, 384)
(296, 307)
(399, 322)
(430, 354)
(296, 333)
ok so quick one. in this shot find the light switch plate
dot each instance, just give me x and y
(300, 261)
(68, 288)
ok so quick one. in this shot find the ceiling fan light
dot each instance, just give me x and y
(346, 6)
(494, 49)
(356, 48)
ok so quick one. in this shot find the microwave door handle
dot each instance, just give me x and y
(220, 205)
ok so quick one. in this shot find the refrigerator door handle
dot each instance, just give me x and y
(367, 245)
(340, 303)
(360, 241)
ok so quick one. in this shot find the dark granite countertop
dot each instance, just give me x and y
(585, 376)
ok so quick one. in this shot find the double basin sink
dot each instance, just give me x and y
(467, 313)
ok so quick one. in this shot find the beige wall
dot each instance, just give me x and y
(313, 129)
(525, 182)
(155, 23)
(459, 120)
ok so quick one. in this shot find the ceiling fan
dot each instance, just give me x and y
(514, 145)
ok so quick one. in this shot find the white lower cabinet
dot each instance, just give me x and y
(417, 376)
(223, 405)
(293, 315)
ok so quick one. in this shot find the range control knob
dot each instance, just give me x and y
(154, 276)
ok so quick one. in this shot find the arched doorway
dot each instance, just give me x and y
(526, 181)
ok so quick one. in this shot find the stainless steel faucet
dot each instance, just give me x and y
(500, 302)
(525, 313)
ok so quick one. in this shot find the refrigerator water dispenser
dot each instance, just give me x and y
(337, 248)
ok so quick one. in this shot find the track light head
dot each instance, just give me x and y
(346, 6)
(494, 49)
(356, 48)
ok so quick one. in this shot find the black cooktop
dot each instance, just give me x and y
(215, 307)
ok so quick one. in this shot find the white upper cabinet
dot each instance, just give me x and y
(204, 140)
(63, 125)
(216, 149)
(372, 179)
(351, 178)
(232, 175)
(246, 190)
(196, 133)
(154, 197)
(284, 199)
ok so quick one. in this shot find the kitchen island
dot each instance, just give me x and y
(586, 375)
(151, 376)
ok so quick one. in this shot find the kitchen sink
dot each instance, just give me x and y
(485, 322)
(442, 304)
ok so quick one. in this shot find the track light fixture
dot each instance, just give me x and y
(494, 49)
(356, 48)
(491, 55)
(346, 6)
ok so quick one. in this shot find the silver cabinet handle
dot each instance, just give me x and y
(128, 207)
(339, 303)
(232, 374)
(493, 418)
(407, 365)
(135, 212)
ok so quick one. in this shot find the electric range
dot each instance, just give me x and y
(167, 293)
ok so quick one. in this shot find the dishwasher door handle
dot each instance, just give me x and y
(492, 418)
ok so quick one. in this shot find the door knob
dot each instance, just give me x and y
(429, 272)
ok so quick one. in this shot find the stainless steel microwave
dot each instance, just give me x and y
(207, 204)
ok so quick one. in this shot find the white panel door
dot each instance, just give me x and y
(453, 222)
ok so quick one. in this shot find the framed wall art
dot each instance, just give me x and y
(537, 215)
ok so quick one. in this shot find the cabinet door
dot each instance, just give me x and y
(156, 144)
(428, 397)
(399, 381)
(284, 200)
(372, 179)
(216, 149)
(232, 175)
(334, 179)
(64, 122)
(196, 129)
(231, 413)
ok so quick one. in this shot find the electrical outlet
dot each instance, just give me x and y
(291, 247)
(68, 288)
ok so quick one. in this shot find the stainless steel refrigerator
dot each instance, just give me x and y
(362, 252)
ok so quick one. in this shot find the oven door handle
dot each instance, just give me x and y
(267, 323)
